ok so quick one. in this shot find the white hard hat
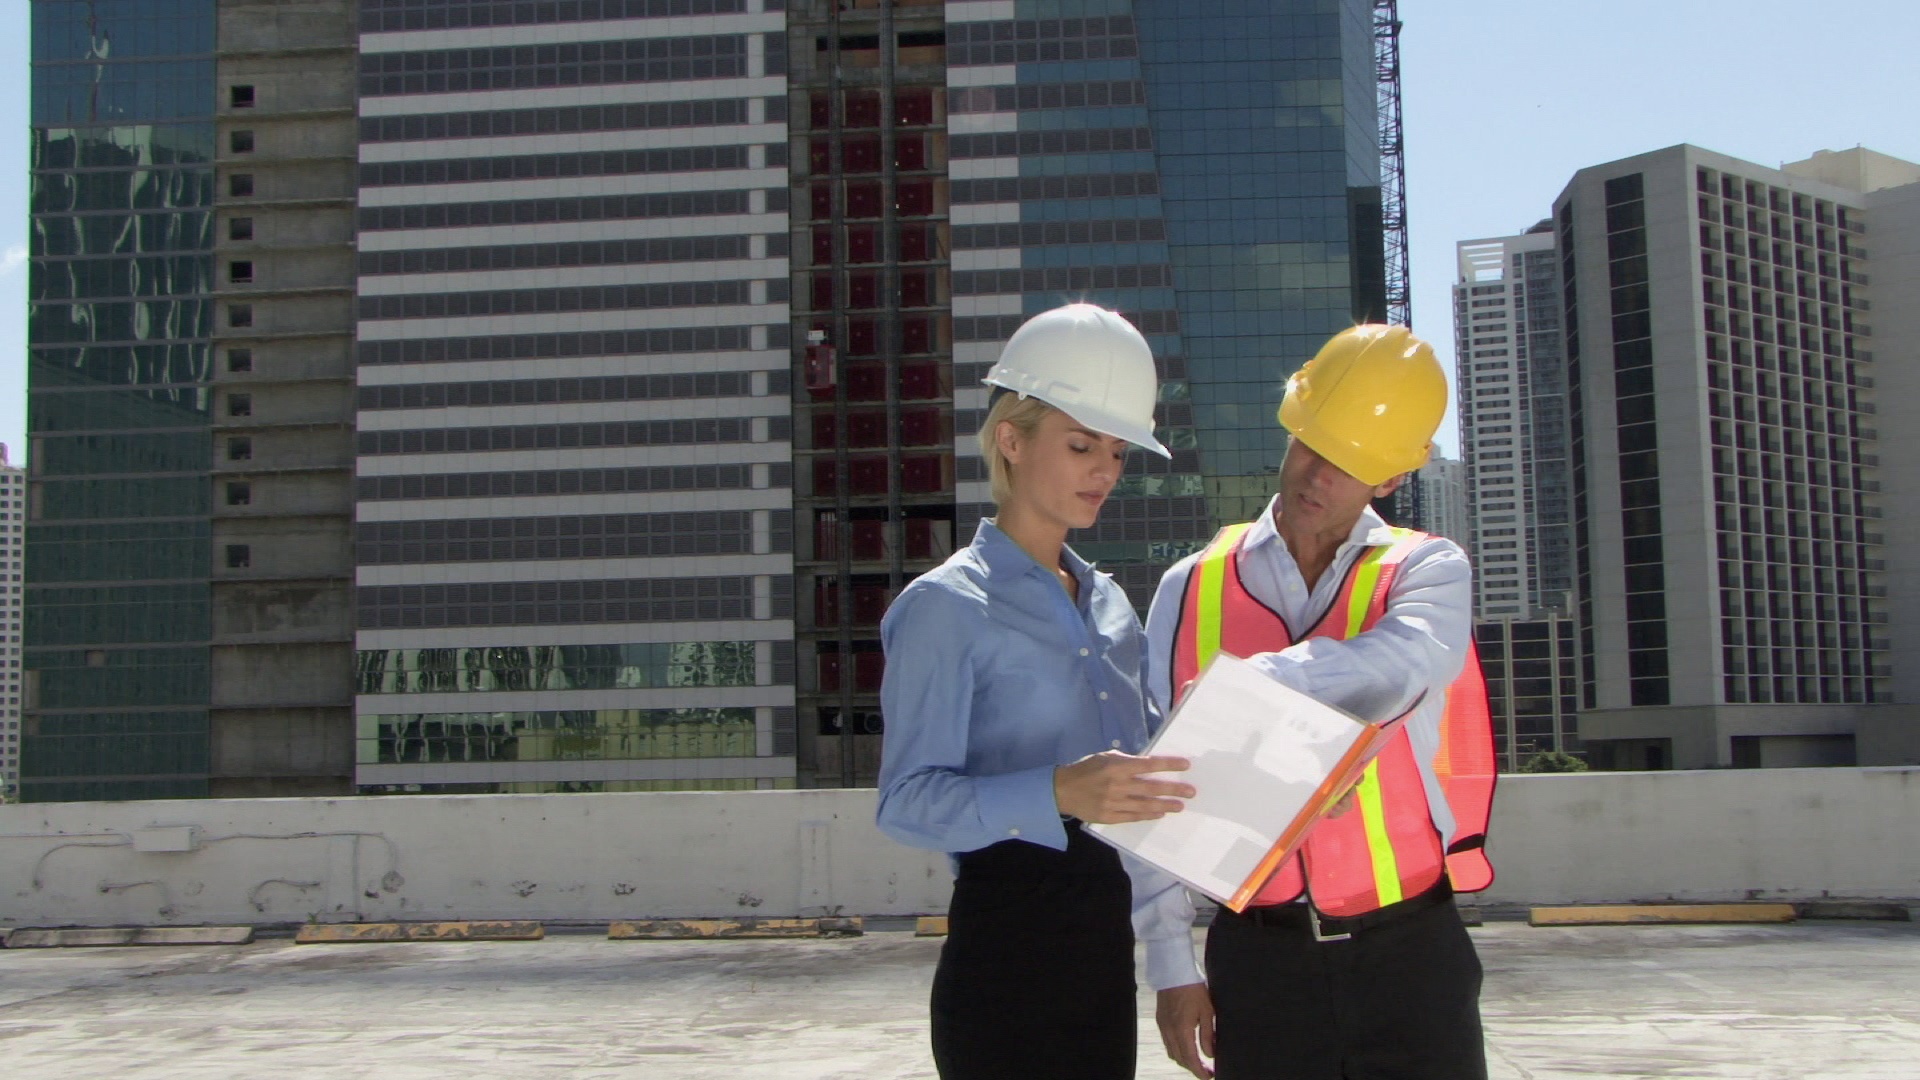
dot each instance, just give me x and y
(1089, 363)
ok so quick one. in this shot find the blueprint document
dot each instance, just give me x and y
(1268, 761)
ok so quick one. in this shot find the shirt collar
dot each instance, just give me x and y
(1371, 530)
(1000, 555)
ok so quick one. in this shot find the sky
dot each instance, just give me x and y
(1503, 101)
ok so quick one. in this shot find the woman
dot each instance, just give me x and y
(1013, 703)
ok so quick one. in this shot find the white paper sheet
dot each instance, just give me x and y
(1259, 751)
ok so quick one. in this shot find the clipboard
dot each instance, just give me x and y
(1268, 763)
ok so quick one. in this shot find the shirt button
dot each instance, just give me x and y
(1013, 832)
(1084, 652)
(1103, 695)
(1116, 744)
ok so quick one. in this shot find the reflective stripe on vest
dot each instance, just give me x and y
(1386, 848)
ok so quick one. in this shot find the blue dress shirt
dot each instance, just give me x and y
(994, 677)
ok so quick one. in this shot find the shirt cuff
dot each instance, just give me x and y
(1020, 806)
(1171, 962)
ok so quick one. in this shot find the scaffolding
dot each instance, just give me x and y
(1393, 161)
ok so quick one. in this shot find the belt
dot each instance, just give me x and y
(1304, 916)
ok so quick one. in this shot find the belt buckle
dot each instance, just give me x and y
(1319, 932)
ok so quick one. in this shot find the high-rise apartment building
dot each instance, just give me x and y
(456, 395)
(1512, 395)
(1443, 495)
(1730, 474)
(1532, 685)
(1511, 386)
(13, 516)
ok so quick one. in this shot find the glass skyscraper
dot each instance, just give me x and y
(121, 281)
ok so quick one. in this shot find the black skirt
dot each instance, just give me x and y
(1036, 977)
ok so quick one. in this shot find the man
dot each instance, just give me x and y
(1352, 962)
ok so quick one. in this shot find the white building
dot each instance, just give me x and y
(13, 493)
(1511, 377)
(1512, 387)
(1443, 497)
(1735, 546)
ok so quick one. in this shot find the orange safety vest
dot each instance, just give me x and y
(1387, 848)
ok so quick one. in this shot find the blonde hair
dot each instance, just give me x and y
(1025, 415)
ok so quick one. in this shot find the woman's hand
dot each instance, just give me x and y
(1111, 787)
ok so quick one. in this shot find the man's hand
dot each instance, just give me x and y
(1185, 1015)
(1111, 787)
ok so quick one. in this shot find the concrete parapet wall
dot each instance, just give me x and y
(1786, 834)
(1723, 834)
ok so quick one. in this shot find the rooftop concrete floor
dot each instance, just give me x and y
(1812, 1000)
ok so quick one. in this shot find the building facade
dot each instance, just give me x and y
(574, 539)
(1512, 389)
(1083, 151)
(551, 396)
(13, 516)
(1731, 546)
(121, 282)
(188, 629)
(1532, 672)
(1443, 494)
(1512, 395)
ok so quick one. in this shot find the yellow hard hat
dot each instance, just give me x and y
(1369, 402)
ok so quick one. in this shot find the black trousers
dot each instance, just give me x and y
(1399, 1001)
(1036, 976)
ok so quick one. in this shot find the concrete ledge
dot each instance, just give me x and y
(1853, 909)
(931, 926)
(670, 929)
(1670, 914)
(1773, 835)
(348, 933)
(27, 938)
